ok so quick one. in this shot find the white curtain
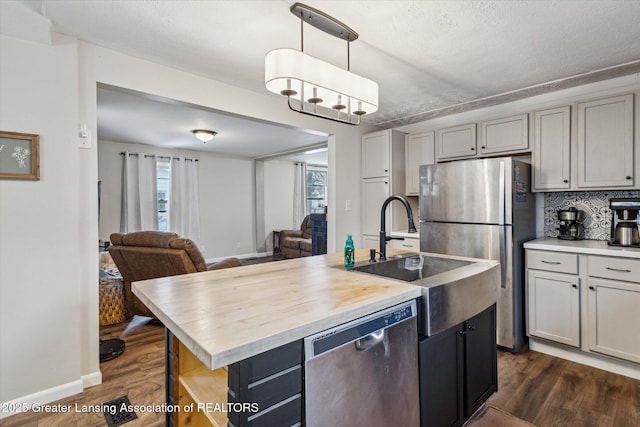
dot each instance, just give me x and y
(139, 194)
(299, 194)
(184, 208)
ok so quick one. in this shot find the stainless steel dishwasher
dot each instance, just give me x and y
(365, 372)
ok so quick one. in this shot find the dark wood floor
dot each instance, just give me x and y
(548, 391)
(138, 373)
(541, 389)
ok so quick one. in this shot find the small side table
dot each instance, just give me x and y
(276, 248)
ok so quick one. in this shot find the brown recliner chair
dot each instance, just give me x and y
(297, 243)
(145, 255)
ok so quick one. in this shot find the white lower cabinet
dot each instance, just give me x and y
(554, 307)
(613, 316)
(585, 301)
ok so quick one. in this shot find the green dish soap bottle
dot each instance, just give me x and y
(349, 252)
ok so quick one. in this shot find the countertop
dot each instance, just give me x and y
(587, 247)
(228, 315)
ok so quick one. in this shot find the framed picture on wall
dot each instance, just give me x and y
(19, 156)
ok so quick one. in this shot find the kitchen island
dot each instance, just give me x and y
(216, 320)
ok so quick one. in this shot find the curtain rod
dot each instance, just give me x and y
(159, 157)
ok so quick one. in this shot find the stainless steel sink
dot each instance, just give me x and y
(413, 267)
(453, 290)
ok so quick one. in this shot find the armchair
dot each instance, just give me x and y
(145, 255)
(297, 243)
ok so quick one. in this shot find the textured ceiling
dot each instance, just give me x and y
(429, 57)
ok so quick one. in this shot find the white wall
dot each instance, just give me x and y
(226, 211)
(278, 198)
(41, 289)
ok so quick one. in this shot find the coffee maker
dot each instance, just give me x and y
(570, 224)
(624, 222)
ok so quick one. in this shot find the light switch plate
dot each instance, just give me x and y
(85, 141)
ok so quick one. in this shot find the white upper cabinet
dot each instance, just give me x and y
(605, 143)
(419, 150)
(500, 136)
(506, 135)
(383, 175)
(376, 154)
(551, 148)
(456, 142)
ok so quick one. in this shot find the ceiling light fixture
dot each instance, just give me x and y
(310, 83)
(204, 135)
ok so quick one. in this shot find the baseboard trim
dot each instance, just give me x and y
(242, 256)
(94, 378)
(43, 397)
(621, 367)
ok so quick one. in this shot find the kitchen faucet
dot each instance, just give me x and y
(383, 233)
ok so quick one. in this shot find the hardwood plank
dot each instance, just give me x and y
(137, 373)
(548, 391)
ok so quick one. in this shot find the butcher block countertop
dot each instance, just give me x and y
(224, 316)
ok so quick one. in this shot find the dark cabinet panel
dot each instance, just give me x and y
(458, 370)
(273, 381)
(481, 365)
(440, 359)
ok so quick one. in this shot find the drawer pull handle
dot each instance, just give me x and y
(574, 286)
(551, 262)
(407, 246)
(592, 288)
(619, 270)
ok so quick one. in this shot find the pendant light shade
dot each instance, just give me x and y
(316, 87)
(300, 76)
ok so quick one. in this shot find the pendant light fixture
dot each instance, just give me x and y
(315, 87)
(204, 135)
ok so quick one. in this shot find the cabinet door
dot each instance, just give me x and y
(419, 150)
(605, 143)
(614, 318)
(553, 307)
(508, 134)
(457, 142)
(551, 145)
(481, 360)
(374, 192)
(441, 374)
(376, 154)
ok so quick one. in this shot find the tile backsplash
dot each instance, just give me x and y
(595, 204)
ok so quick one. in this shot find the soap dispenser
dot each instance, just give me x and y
(348, 252)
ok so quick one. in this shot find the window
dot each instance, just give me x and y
(163, 190)
(316, 189)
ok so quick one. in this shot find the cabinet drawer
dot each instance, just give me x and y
(552, 261)
(614, 268)
(407, 244)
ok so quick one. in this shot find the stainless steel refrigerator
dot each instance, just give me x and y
(483, 208)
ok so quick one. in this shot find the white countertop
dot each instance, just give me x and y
(587, 247)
